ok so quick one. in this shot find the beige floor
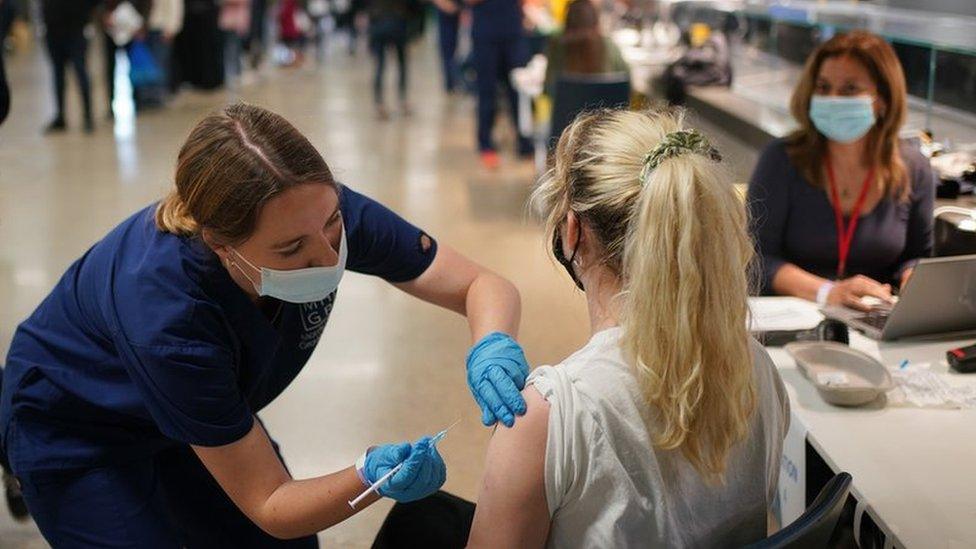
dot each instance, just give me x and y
(389, 368)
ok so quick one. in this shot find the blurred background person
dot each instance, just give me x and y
(448, 30)
(346, 12)
(388, 29)
(65, 22)
(499, 46)
(256, 40)
(581, 48)
(198, 48)
(234, 23)
(109, 48)
(165, 22)
(114, 43)
(318, 13)
(8, 13)
(290, 31)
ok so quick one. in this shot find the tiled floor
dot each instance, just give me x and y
(389, 368)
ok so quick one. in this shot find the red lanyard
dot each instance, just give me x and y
(845, 235)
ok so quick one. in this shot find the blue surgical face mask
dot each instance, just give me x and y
(298, 285)
(842, 119)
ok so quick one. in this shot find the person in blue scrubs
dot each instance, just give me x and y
(129, 400)
(498, 46)
(448, 27)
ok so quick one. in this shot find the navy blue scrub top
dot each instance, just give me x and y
(147, 342)
(496, 18)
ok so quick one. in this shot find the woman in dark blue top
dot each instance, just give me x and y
(841, 209)
(129, 396)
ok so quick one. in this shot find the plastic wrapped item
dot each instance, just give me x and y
(917, 386)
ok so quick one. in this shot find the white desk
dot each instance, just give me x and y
(914, 469)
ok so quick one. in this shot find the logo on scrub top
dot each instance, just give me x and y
(314, 318)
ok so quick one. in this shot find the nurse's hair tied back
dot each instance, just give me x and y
(233, 163)
(669, 223)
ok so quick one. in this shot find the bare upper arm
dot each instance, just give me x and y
(457, 283)
(446, 281)
(512, 509)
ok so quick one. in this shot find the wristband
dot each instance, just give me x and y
(823, 291)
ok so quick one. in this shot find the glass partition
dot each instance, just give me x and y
(938, 51)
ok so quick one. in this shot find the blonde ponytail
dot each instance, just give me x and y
(685, 312)
(674, 231)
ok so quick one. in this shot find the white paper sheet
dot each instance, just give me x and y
(783, 313)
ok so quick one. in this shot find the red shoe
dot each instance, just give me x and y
(490, 160)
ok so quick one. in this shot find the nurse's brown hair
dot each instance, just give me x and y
(807, 147)
(234, 162)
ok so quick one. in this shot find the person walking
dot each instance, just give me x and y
(65, 22)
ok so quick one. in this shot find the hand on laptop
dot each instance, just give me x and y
(851, 292)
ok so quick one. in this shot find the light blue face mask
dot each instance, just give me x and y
(299, 285)
(842, 119)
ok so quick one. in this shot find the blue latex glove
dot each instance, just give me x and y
(496, 376)
(422, 474)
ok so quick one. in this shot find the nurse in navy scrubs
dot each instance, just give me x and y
(129, 396)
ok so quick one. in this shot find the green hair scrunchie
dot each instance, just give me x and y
(675, 144)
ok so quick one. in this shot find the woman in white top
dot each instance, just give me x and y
(666, 429)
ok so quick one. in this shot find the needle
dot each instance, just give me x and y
(440, 436)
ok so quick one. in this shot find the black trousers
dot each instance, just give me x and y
(441, 520)
(385, 33)
(69, 47)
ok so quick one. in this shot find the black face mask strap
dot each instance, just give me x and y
(557, 250)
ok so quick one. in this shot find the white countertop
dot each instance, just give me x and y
(911, 466)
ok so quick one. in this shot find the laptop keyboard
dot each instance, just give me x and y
(875, 319)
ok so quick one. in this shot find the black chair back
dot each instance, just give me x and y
(576, 93)
(815, 526)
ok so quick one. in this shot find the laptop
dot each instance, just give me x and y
(939, 298)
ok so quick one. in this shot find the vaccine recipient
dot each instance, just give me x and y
(129, 396)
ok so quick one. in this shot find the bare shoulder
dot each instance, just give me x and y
(516, 455)
(513, 488)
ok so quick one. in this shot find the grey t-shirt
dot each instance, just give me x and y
(793, 222)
